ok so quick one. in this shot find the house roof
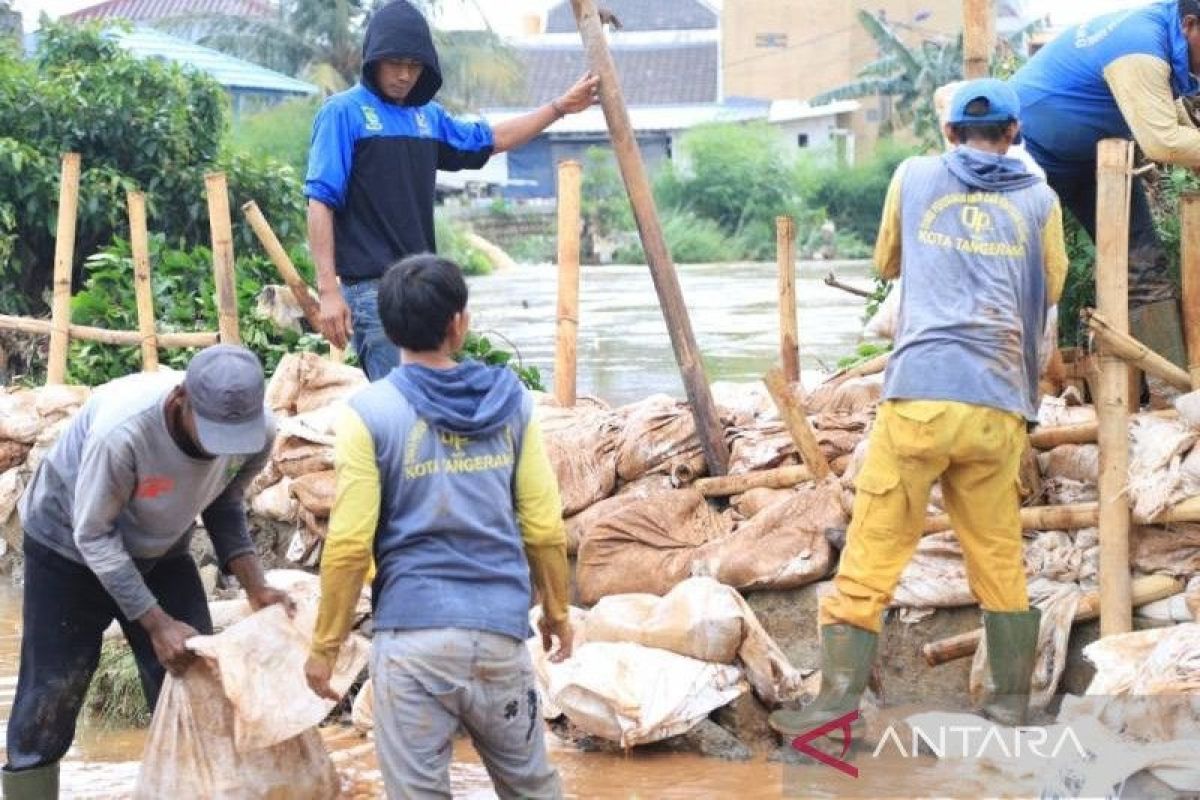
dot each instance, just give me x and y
(146, 10)
(227, 70)
(650, 74)
(642, 15)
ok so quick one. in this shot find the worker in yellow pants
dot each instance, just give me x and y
(979, 240)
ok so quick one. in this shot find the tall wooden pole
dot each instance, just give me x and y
(662, 268)
(979, 38)
(139, 243)
(1113, 171)
(221, 228)
(64, 260)
(1189, 265)
(570, 188)
(796, 421)
(789, 335)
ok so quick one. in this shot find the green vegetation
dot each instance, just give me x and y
(115, 697)
(480, 348)
(452, 244)
(281, 132)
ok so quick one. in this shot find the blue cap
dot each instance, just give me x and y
(1002, 104)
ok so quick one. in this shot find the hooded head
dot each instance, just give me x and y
(398, 32)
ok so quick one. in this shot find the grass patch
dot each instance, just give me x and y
(115, 697)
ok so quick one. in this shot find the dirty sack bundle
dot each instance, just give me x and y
(1158, 473)
(702, 619)
(768, 444)
(658, 436)
(846, 396)
(629, 693)
(1171, 549)
(306, 381)
(240, 724)
(651, 545)
(582, 446)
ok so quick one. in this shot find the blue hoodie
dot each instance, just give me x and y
(448, 549)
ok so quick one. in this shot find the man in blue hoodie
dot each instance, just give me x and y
(443, 480)
(1119, 76)
(372, 169)
(980, 243)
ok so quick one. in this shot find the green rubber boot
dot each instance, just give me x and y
(1011, 649)
(39, 783)
(1159, 326)
(847, 653)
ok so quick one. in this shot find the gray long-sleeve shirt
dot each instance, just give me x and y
(117, 494)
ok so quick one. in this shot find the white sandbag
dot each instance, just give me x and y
(11, 486)
(541, 659)
(1188, 406)
(276, 502)
(1156, 453)
(633, 695)
(1058, 411)
(362, 710)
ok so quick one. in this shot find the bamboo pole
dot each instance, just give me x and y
(662, 268)
(139, 243)
(789, 333)
(570, 188)
(1081, 433)
(872, 366)
(778, 478)
(979, 38)
(1036, 518)
(1145, 589)
(1189, 265)
(1114, 163)
(44, 327)
(64, 261)
(1134, 353)
(221, 228)
(793, 416)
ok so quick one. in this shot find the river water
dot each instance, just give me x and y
(624, 352)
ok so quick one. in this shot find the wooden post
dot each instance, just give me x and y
(797, 424)
(139, 243)
(789, 335)
(64, 260)
(1189, 266)
(287, 270)
(662, 268)
(979, 38)
(221, 228)
(1113, 171)
(570, 187)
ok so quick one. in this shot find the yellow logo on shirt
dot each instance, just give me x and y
(975, 219)
(977, 212)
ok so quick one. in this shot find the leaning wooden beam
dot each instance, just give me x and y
(979, 38)
(1082, 433)
(43, 327)
(796, 421)
(64, 260)
(139, 244)
(1114, 162)
(1189, 268)
(221, 229)
(662, 268)
(872, 366)
(789, 326)
(1135, 353)
(778, 478)
(1145, 590)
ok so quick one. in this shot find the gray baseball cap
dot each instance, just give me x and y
(224, 385)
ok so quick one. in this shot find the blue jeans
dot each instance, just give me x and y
(376, 354)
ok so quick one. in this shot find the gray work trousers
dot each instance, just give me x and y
(428, 682)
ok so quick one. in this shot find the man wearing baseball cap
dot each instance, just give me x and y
(980, 243)
(108, 518)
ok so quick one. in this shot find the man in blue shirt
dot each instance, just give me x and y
(376, 150)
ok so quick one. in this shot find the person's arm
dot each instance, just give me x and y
(539, 514)
(330, 159)
(225, 521)
(1054, 254)
(107, 482)
(348, 547)
(1141, 85)
(887, 245)
(513, 133)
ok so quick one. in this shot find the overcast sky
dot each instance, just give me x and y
(506, 16)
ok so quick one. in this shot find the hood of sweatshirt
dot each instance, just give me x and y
(471, 399)
(988, 172)
(399, 30)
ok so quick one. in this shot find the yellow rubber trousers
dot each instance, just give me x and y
(976, 453)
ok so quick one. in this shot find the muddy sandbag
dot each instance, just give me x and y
(850, 396)
(315, 491)
(657, 435)
(647, 486)
(1156, 452)
(702, 619)
(1079, 462)
(306, 381)
(632, 695)
(1060, 411)
(298, 457)
(1173, 550)
(25, 413)
(647, 546)
(580, 526)
(936, 577)
(582, 446)
(744, 401)
(783, 547)
(12, 454)
(752, 502)
(277, 503)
